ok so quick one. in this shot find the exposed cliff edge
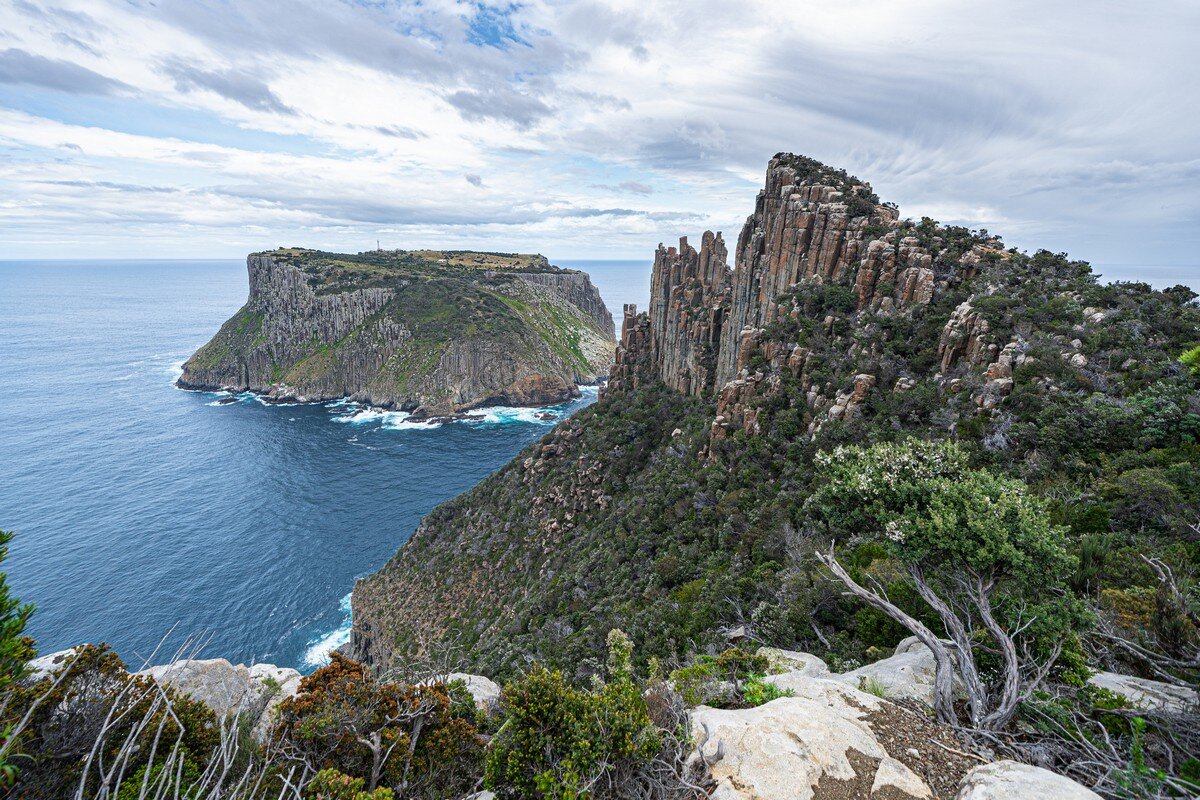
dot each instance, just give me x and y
(423, 331)
(823, 739)
(674, 507)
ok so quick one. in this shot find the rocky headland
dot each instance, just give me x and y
(677, 508)
(426, 332)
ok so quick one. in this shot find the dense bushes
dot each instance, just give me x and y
(559, 742)
(418, 741)
(90, 729)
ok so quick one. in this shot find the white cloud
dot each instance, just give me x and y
(589, 128)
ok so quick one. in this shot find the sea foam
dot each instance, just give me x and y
(319, 649)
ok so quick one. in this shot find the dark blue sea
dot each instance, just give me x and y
(143, 511)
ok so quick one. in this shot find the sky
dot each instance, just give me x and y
(212, 128)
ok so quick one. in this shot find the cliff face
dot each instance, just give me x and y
(430, 333)
(577, 289)
(675, 507)
(812, 226)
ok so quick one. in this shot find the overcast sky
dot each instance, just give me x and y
(187, 128)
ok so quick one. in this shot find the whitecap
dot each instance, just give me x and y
(317, 654)
(507, 415)
(391, 420)
(358, 415)
(398, 421)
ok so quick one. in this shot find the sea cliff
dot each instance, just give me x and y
(675, 507)
(426, 332)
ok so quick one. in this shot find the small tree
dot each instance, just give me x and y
(980, 551)
(16, 649)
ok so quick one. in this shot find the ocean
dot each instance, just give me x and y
(146, 516)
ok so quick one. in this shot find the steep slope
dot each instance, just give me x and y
(430, 332)
(674, 507)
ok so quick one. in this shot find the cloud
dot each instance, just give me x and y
(20, 67)
(240, 86)
(601, 126)
(398, 131)
(520, 109)
(626, 187)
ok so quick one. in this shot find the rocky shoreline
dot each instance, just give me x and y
(409, 332)
(233, 396)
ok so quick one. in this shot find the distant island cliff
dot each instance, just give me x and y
(428, 332)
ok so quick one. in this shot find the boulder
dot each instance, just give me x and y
(485, 690)
(781, 661)
(817, 745)
(908, 673)
(47, 665)
(1147, 694)
(1009, 780)
(231, 689)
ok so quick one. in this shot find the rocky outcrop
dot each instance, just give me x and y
(677, 340)
(817, 745)
(803, 229)
(1149, 695)
(818, 242)
(829, 740)
(232, 689)
(253, 692)
(825, 741)
(908, 673)
(484, 690)
(415, 333)
(1009, 780)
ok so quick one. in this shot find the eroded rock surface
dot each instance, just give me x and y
(1147, 694)
(230, 689)
(908, 673)
(1009, 780)
(817, 745)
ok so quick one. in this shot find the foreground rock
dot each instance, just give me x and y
(484, 690)
(1009, 780)
(908, 674)
(818, 745)
(830, 741)
(230, 689)
(227, 689)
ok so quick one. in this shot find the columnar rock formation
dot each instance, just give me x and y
(709, 329)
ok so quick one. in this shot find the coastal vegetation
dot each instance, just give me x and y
(1059, 540)
(876, 446)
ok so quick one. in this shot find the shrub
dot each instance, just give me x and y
(411, 739)
(718, 680)
(560, 742)
(980, 551)
(757, 691)
(101, 720)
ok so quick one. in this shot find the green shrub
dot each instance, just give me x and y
(333, 785)
(719, 680)
(757, 691)
(560, 743)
